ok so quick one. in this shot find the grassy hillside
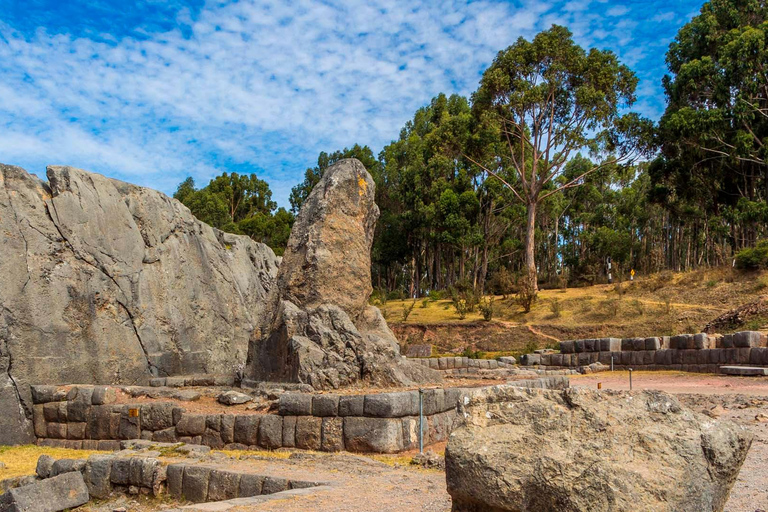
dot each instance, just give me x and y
(661, 304)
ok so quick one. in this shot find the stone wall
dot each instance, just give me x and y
(87, 417)
(702, 353)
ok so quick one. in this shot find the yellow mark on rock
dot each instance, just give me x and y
(363, 185)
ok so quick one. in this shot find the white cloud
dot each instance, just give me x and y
(264, 84)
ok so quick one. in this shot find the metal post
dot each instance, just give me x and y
(630, 379)
(611, 363)
(421, 420)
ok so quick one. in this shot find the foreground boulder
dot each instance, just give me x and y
(104, 282)
(321, 330)
(61, 492)
(588, 451)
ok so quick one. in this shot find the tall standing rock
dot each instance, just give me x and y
(322, 331)
(103, 282)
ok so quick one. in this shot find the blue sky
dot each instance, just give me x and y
(152, 91)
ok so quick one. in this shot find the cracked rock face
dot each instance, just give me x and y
(107, 282)
(319, 328)
(581, 450)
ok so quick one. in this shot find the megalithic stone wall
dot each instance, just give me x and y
(703, 353)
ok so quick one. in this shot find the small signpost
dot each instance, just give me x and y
(632, 275)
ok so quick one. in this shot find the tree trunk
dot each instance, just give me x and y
(530, 246)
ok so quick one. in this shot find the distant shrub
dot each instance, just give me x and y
(503, 282)
(435, 295)
(486, 307)
(463, 290)
(526, 295)
(639, 307)
(753, 258)
(711, 283)
(556, 307)
(611, 307)
(473, 354)
(378, 297)
(407, 310)
(530, 347)
(460, 305)
(425, 303)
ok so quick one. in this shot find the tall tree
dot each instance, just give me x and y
(552, 100)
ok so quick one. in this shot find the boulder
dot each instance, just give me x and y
(109, 283)
(584, 450)
(319, 328)
(50, 495)
(234, 398)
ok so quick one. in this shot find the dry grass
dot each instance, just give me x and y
(661, 304)
(22, 460)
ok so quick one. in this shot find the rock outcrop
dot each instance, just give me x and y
(321, 330)
(589, 451)
(107, 282)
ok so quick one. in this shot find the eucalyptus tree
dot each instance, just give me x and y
(552, 100)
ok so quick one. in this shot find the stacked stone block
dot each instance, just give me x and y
(701, 353)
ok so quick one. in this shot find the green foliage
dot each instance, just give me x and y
(556, 307)
(530, 347)
(754, 258)
(407, 310)
(487, 308)
(240, 204)
(460, 305)
(526, 295)
(425, 303)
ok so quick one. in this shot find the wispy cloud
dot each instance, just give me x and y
(267, 85)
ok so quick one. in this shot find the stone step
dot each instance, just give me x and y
(744, 370)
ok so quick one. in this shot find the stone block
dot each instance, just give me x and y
(121, 471)
(101, 423)
(638, 359)
(78, 411)
(44, 394)
(97, 475)
(653, 343)
(227, 428)
(638, 343)
(325, 405)
(246, 429)
(142, 471)
(747, 339)
(744, 371)
(742, 355)
(702, 357)
(213, 422)
(38, 420)
(458, 362)
(174, 477)
(578, 346)
(75, 430)
(584, 359)
(377, 435)
(677, 356)
(289, 432)
(658, 357)
(130, 426)
(167, 435)
(50, 495)
(648, 357)
(194, 484)
(44, 466)
(546, 360)
(566, 347)
(250, 485)
(223, 485)
(309, 432)
(392, 405)
(433, 363)
(191, 425)
(51, 412)
(103, 395)
(626, 344)
(157, 416)
(295, 404)
(450, 363)
(434, 401)
(212, 439)
(273, 484)
(589, 345)
(332, 434)
(351, 405)
(57, 430)
(610, 345)
(557, 360)
(271, 431)
(109, 445)
(689, 356)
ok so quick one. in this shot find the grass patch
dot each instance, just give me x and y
(22, 460)
(239, 454)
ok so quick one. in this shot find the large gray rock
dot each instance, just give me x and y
(104, 282)
(584, 450)
(320, 329)
(50, 495)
